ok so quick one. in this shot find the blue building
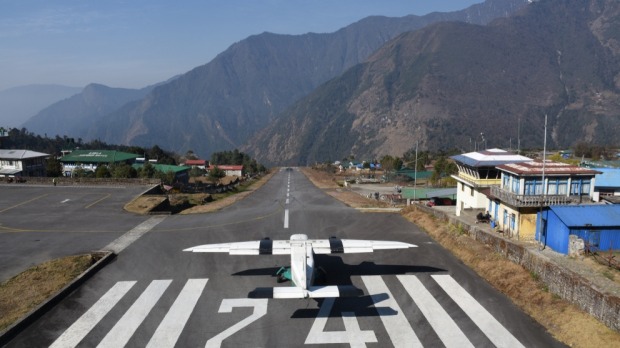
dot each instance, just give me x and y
(597, 225)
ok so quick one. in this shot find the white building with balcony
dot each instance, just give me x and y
(477, 173)
(528, 187)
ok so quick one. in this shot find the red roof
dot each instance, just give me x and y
(551, 168)
(195, 162)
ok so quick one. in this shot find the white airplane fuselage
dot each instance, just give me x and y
(302, 261)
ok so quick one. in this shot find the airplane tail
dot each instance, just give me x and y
(312, 292)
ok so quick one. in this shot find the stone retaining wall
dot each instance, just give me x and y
(559, 280)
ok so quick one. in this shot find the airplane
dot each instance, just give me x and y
(302, 272)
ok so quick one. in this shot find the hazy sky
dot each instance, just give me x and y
(134, 43)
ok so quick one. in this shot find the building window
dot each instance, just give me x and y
(515, 186)
(562, 186)
(533, 187)
(472, 192)
(580, 187)
(552, 186)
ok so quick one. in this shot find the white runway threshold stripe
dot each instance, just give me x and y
(447, 330)
(76, 332)
(495, 331)
(397, 326)
(127, 325)
(171, 327)
(131, 236)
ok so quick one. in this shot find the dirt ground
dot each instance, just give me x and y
(564, 321)
(144, 204)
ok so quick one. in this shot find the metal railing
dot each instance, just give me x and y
(517, 200)
(475, 182)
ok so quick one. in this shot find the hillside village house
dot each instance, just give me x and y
(477, 173)
(229, 170)
(198, 163)
(522, 193)
(22, 163)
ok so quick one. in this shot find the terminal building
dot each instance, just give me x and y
(91, 159)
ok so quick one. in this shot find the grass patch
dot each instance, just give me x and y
(25, 291)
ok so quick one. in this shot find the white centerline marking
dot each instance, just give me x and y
(495, 331)
(65, 201)
(171, 327)
(397, 326)
(76, 332)
(286, 218)
(442, 323)
(127, 325)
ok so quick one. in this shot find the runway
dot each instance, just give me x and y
(154, 294)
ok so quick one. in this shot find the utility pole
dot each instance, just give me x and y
(543, 233)
(415, 172)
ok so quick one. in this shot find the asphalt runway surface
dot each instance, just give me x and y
(154, 294)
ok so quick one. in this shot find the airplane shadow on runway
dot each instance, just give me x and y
(339, 273)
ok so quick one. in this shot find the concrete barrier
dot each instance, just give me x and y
(559, 280)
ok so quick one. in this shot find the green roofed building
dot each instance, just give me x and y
(181, 173)
(90, 159)
(99, 156)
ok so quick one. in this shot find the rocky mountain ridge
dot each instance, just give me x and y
(457, 85)
(220, 105)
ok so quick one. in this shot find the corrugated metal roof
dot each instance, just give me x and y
(421, 193)
(608, 177)
(9, 171)
(489, 158)
(442, 193)
(98, 156)
(550, 167)
(603, 215)
(20, 154)
(163, 167)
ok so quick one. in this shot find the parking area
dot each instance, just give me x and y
(40, 223)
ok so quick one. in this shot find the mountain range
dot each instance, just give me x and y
(222, 104)
(457, 85)
(81, 112)
(18, 104)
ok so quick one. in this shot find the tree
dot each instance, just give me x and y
(216, 173)
(123, 170)
(389, 163)
(147, 170)
(102, 172)
(53, 167)
(195, 172)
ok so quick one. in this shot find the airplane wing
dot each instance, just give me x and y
(349, 246)
(258, 247)
(283, 247)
